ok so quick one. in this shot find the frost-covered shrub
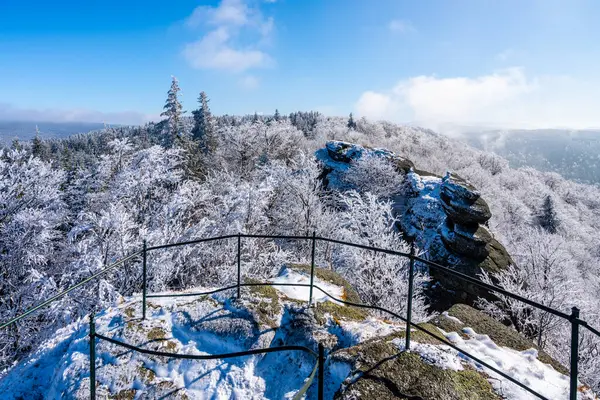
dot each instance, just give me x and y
(376, 175)
(379, 278)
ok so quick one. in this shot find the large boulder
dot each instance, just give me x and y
(348, 152)
(462, 202)
(445, 217)
(380, 370)
(467, 240)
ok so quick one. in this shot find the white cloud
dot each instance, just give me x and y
(213, 51)
(505, 99)
(9, 112)
(401, 26)
(505, 55)
(249, 82)
(232, 23)
(233, 12)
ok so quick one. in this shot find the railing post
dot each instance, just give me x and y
(411, 278)
(574, 352)
(321, 381)
(92, 357)
(239, 264)
(144, 282)
(312, 268)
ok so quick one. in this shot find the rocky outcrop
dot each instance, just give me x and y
(446, 217)
(347, 152)
(463, 232)
(337, 157)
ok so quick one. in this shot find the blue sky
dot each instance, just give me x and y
(525, 63)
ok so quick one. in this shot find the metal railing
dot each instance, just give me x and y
(573, 318)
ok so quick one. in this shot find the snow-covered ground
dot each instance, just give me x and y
(59, 369)
(523, 366)
(303, 292)
(186, 325)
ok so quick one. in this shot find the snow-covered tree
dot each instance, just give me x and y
(173, 112)
(204, 128)
(547, 215)
(541, 273)
(351, 124)
(376, 175)
(32, 215)
(379, 278)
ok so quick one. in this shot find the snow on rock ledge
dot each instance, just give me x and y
(288, 275)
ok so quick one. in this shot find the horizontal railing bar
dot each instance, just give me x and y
(460, 275)
(224, 289)
(588, 327)
(196, 241)
(364, 247)
(284, 237)
(67, 291)
(191, 294)
(291, 237)
(208, 356)
(450, 271)
(244, 235)
(493, 288)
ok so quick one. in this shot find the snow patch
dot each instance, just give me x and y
(450, 317)
(303, 292)
(438, 355)
(355, 332)
(520, 365)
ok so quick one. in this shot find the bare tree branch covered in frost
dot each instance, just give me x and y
(375, 175)
(380, 279)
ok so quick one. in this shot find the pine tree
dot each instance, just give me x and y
(38, 147)
(351, 122)
(16, 145)
(255, 118)
(277, 116)
(173, 111)
(204, 125)
(547, 217)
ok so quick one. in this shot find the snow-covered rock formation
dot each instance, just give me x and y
(445, 217)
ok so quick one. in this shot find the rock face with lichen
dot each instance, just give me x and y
(445, 217)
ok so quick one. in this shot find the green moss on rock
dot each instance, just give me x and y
(127, 394)
(337, 312)
(422, 337)
(268, 306)
(129, 312)
(157, 333)
(385, 373)
(498, 259)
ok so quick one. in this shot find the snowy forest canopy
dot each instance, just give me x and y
(68, 207)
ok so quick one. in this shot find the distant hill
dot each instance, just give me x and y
(575, 154)
(25, 130)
